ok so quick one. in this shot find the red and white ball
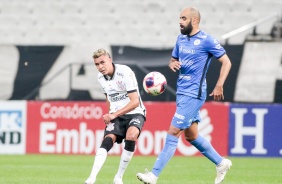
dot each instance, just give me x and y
(154, 83)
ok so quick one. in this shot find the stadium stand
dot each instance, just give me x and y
(59, 22)
(55, 35)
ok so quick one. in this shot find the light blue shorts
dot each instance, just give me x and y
(187, 111)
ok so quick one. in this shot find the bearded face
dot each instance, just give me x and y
(186, 30)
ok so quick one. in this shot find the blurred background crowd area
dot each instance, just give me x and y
(48, 44)
(142, 23)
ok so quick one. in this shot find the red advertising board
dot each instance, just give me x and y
(64, 127)
(77, 128)
(214, 127)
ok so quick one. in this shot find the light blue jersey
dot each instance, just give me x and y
(195, 53)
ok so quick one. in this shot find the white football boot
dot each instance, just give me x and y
(117, 180)
(147, 177)
(90, 181)
(221, 170)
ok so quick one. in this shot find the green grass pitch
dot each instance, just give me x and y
(74, 169)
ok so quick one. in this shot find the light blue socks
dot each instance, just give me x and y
(205, 147)
(166, 154)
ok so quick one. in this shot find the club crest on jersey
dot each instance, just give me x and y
(110, 127)
(197, 42)
(120, 85)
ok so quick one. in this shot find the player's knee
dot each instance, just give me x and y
(190, 138)
(129, 145)
(107, 143)
(174, 132)
(131, 137)
(132, 133)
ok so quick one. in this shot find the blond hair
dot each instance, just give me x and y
(100, 52)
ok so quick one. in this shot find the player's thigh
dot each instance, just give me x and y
(134, 126)
(132, 133)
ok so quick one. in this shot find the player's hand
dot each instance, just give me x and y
(174, 65)
(108, 117)
(217, 93)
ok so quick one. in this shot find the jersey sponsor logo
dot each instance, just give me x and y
(113, 95)
(120, 74)
(118, 98)
(110, 127)
(186, 51)
(179, 122)
(185, 77)
(197, 42)
(187, 62)
(179, 116)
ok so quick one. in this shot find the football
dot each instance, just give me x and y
(154, 83)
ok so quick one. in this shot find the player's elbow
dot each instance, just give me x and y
(225, 61)
(229, 64)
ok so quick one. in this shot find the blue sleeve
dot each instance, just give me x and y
(214, 47)
(175, 51)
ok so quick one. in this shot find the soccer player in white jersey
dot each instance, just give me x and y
(126, 115)
(191, 56)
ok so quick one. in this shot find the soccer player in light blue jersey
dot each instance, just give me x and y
(191, 56)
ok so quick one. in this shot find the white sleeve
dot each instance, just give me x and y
(130, 80)
(100, 83)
